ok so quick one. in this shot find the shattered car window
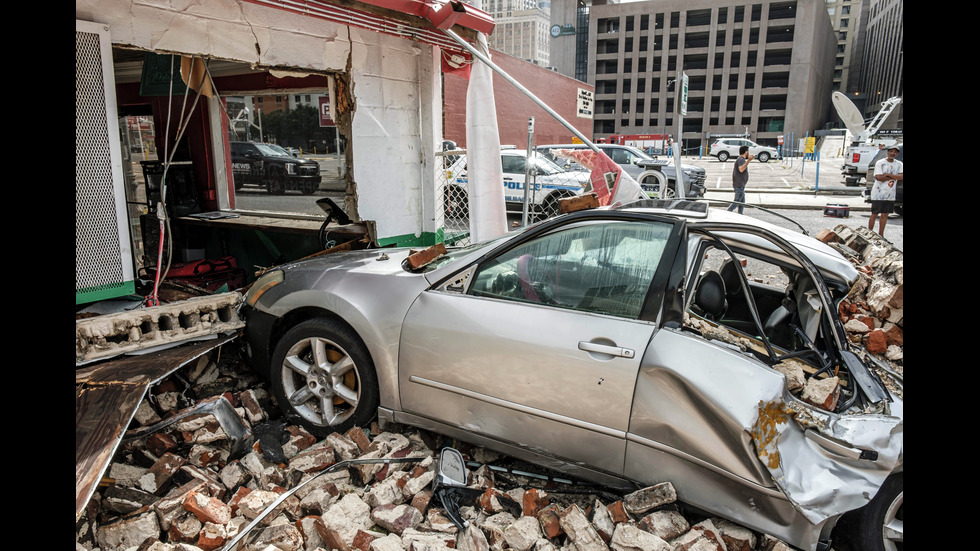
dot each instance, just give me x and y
(605, 268)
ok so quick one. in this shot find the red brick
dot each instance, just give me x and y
(877, 342)
(207, 508)
(617, 511)
(895, 336)
(362, 540)
(548, 517)
(534, 500)
(161, 443)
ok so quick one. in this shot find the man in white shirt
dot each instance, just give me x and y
(888, 172)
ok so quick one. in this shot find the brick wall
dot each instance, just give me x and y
(513, 107)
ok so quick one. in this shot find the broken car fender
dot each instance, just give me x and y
(838, 469)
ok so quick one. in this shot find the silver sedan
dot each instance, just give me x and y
(626, 346)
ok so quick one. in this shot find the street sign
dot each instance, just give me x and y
(585, 100)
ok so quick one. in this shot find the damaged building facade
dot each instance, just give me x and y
(376, 70)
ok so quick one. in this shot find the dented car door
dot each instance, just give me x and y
(541, 347)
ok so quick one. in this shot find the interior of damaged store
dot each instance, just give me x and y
(176, 214)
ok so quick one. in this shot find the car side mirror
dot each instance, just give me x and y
(449, 485)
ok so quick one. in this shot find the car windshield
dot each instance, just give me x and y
(272, 150)
(546, 166)
(639, 153)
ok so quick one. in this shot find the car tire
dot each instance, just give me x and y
(878, 526)
(276, 184)
(763, 157)
(323, 377)
(723, 156)
(899, 210)
(308, 188)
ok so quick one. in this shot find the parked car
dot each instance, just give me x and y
(273, 168)
(640, 166)
(552, 182)
(726, 148)
(899, 193)
(603, 343)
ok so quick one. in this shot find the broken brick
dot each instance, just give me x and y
(666, 524)
(300, 438)
(313, 459)
(877, 342)
(185, 530)
(548, 517)
(617, 511)
(579, 202)
(157, 479)
(212, 536)
(822, 393)
(419, 259)
(161, 443)
(580, 531)
(207, 508)
(331, 538)
(358, 437)
(396, 518)
(647, 498)
(533, 501)
(894, 336)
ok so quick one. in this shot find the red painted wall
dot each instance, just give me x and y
(513, 108)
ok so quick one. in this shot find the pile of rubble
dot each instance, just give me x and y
(186, 485)
(872, 313)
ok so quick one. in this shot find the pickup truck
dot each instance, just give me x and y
(273, 168)
(857, 161)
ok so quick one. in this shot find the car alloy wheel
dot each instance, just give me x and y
(879, 525)
(323, 377)
(763, 157)
(893, 527)
(722, 156)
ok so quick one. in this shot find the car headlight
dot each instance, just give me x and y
(290, 168)
(265, 282)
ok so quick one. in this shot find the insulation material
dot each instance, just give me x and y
(488, 217)
(610, 183)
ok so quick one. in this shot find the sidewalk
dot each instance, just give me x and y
(792, 199)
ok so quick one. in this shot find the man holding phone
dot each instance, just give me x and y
(740, 177)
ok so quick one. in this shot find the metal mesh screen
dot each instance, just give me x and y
(97, 249)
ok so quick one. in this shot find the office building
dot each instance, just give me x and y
(761, 70)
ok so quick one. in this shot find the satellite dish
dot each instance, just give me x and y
(849, 113)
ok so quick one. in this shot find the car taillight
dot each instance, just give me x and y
(855, 157)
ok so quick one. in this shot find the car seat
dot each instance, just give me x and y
(710, 296)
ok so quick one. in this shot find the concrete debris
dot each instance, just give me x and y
(175, 490)
(110, 335)
(872, 312)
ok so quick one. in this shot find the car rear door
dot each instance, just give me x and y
(542, 348)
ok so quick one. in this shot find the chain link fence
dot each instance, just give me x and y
(549, 182)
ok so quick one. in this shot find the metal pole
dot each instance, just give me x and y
(528, 173)
(679, 184)
(520, 87)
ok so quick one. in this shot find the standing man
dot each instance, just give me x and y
(888, 172)
(740, 177)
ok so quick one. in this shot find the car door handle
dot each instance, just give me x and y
(606, 349)
(838, 448)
